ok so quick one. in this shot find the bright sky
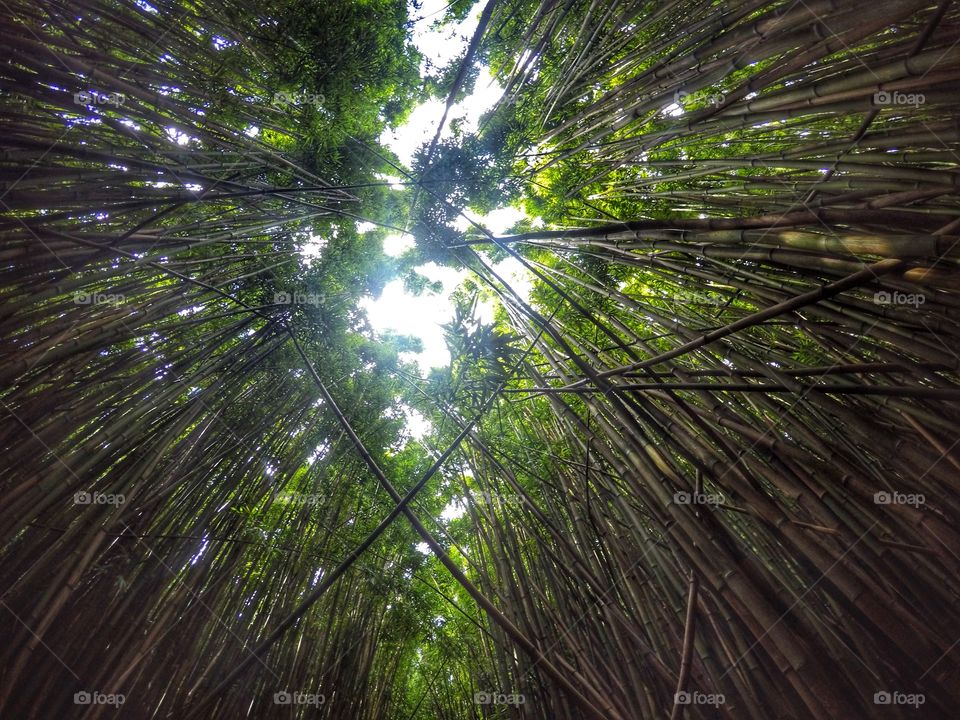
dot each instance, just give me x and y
(439, 48)
(422, 123)
(422, 316)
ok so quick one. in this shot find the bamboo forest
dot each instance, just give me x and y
(510, 360)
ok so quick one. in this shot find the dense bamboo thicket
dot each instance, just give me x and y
(708, 467)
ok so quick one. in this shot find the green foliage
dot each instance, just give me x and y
(246, 490)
